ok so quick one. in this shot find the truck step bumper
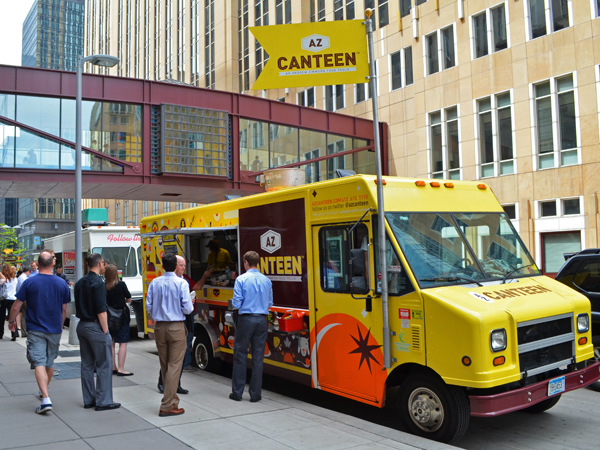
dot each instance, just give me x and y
(506, 402)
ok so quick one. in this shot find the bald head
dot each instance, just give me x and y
(180, 266)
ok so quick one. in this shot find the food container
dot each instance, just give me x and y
(292, 321)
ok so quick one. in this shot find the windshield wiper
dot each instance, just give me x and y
(453, 278)
(513, 271)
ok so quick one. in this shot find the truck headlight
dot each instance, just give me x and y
(583, 323)
(498, 340)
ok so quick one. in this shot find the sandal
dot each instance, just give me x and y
(124, 374)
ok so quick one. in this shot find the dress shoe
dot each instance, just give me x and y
(254, 400)
(161, 388)
(113, 405)
(90, 405)
(234, 397)
(171, 412)
(124, 374)
(181, 390)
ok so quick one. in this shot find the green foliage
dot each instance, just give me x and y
(10, 247)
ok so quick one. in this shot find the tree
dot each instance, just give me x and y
(10, 246)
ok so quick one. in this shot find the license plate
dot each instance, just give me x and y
(556, 386)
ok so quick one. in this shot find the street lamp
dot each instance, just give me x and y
(98, 60)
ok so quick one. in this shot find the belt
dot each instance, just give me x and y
(88, 320)
(253, 315)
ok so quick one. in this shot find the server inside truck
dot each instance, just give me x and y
(200, 249)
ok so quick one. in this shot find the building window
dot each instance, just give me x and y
(338, 9)
(154, 208)
(320, 10)
(560, 224)
(556, 116)
(536, 11)
(334, 97)
(405, 7)
(118, 214)
(570, 207)
(399, 60)
(444, 144)
(440, 51)
(179, 206)
(145, 208)
(363, 91)
(306, 97)
(495, 135)
(135, 213)
(548, 209)
(511, 211)
(489, 31)
(595, 8)
(167, 207)
(379, 7)
(126, 211)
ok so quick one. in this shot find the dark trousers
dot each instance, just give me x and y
(5, 306)
(251, 330)
(96, 354)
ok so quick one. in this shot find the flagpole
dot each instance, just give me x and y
(387, 357)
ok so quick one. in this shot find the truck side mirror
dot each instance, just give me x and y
(358, 283)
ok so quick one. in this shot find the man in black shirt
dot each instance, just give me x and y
(95, 343)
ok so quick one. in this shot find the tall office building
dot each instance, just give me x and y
(502, 91)
(53, 34)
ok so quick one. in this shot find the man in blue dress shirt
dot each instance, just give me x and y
(168, 301)
(252, 297)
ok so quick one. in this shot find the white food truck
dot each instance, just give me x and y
(119, 245)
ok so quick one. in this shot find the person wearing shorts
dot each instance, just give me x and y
(46, 296)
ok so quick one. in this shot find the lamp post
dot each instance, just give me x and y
(98, 60)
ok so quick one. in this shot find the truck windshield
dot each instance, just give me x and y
(125, 258)
(461, 248)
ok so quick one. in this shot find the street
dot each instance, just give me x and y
(571, 424)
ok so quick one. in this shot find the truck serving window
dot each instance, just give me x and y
(336, 247)
(460, 248)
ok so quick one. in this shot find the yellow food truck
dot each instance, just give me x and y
(475, 329)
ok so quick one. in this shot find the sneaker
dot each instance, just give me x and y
(43, 408)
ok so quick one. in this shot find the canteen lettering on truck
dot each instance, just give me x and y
(475, 329)
(118, 245)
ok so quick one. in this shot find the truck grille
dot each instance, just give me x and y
(546, 344)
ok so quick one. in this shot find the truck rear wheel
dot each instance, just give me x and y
(543, 405)
(432, 409)
(202, 354)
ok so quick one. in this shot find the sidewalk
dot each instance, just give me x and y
(210, 421)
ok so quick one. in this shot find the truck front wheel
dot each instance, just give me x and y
(203, 356)
(430, 408)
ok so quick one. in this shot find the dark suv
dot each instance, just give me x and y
(581, 272)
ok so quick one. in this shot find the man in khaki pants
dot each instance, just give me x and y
(168, 301)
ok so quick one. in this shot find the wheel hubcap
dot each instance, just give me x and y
(202, 356)
(426, 409)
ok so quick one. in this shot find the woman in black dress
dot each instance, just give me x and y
(117, 296)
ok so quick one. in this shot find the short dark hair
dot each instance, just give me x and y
(25, 268)
(169, 262)
(45, 259)
(57, 266)
(93, 260)
(252, 258)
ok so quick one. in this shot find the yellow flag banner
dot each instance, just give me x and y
(313, 54)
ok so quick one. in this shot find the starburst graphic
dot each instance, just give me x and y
(365, 349)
